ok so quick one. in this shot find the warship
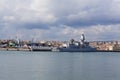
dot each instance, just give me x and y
(77, 46)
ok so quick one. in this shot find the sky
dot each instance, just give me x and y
(60, 19)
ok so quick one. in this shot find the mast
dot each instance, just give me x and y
(82, 38)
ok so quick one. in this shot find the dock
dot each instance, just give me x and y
(15, 49)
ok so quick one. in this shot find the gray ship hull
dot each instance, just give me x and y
(42, 49)
(77, 50)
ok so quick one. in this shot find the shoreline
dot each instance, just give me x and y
(26, 49)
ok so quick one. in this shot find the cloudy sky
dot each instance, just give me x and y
(60, 19)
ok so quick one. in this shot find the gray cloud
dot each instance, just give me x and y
(59, 18)
(67, 12)
(87, 12)
(33, 25)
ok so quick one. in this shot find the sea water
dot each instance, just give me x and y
(18, 65)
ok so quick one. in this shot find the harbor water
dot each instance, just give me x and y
(25, 65)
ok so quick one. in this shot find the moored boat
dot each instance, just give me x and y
(77, 46)
(40, 48)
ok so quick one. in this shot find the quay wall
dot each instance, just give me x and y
(14, 49)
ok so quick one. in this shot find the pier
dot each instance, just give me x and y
(15, 49)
